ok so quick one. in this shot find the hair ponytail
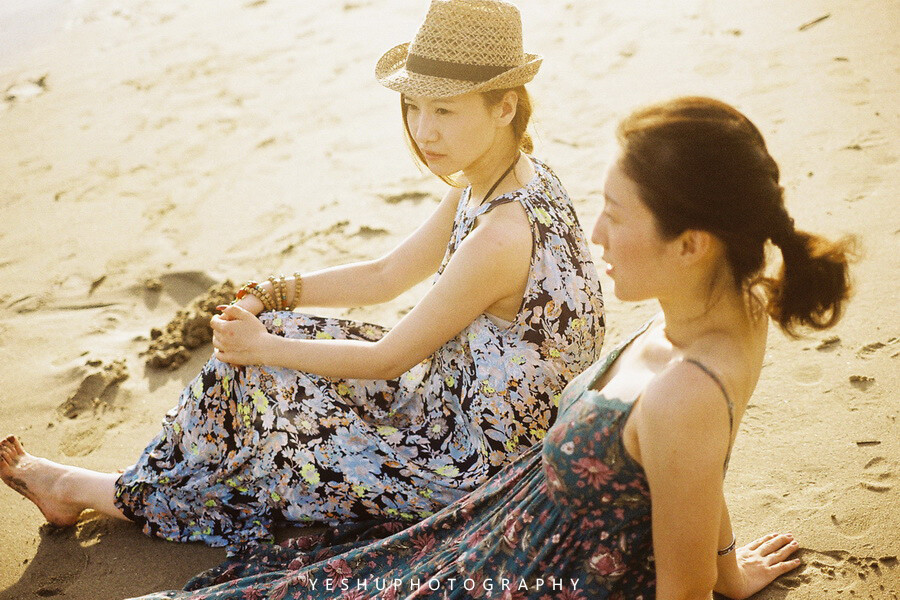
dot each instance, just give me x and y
(813, 282)
(701, 164)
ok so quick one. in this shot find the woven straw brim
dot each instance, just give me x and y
(391, 73)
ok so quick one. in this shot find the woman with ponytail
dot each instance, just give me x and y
(623, 498)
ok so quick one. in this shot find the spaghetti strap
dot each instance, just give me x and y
(718, 381)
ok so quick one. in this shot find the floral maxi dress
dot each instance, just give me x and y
(570, 519)
(247, 447)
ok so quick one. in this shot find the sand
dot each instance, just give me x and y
(150, 150)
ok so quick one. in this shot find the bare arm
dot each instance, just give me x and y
(682, 428)
(378, 280)
(491, 264)
(683, 435)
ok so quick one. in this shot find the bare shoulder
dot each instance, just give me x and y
(684, 396)
(450, 201)
(506, 226)
(681, 424)
(453, 195)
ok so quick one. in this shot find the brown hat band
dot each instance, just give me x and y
(451, 70)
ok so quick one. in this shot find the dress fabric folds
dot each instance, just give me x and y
(248, 447)
(569, 519)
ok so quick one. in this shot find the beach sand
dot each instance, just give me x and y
(154, 149)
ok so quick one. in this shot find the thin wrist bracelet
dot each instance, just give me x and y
(729, 548)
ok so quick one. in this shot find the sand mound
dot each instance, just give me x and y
(171, 347)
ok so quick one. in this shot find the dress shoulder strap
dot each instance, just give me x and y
(728, 401)
(498, 201)
(522, 192)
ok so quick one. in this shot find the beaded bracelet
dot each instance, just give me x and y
(282, 291)
(298, 285)
(278, 299)
(254, 289)
(278, 291)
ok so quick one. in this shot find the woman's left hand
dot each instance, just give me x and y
(239, 337)
(763, 560)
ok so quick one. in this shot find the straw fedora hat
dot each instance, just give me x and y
(463, 46)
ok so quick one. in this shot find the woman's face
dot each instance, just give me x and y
(452, 133)
(639, 260)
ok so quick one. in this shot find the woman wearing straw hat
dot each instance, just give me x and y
(623, 499)
(310, 419)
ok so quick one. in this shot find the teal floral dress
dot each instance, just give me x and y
(570, 519)
(247, 447)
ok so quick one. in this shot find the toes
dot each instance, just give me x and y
(17, 445)
(8, 453)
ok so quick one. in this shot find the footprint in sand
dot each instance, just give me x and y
(84, 436)
(873, 348)
(842, 567)
(97, 390)
(96, 394)
(829, 344)
(878, 475)
(861, 382)
(809, 374)
(853, 525)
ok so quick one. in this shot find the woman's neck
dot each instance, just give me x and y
(701, 310)
(485, 172)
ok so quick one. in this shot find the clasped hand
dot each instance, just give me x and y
(239, 338)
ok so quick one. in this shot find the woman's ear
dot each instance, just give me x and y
(695, 245)
(505, 110)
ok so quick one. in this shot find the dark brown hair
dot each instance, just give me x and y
(492, 97)
(700, 164)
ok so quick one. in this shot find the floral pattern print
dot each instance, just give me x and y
(570, 518)
(250, 446)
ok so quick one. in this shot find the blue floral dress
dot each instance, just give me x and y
(570, 519)
(250, 446)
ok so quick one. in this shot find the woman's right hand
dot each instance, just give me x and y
(762, 561)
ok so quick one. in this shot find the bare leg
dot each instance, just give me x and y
(61, 492)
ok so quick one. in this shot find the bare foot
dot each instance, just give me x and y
(40, 480)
